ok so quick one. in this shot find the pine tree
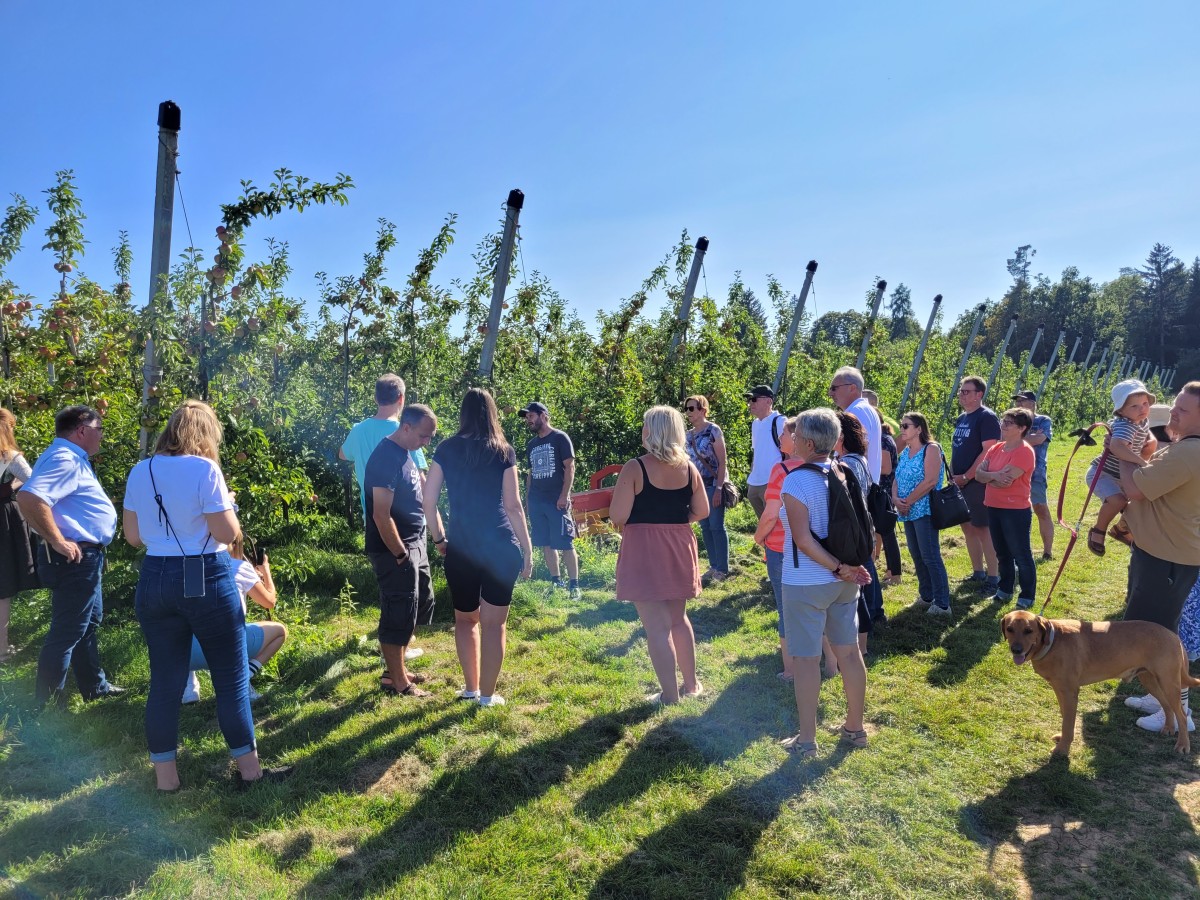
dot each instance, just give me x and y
(900, 309)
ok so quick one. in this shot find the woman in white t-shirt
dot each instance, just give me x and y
(820, 592)
(178, 507)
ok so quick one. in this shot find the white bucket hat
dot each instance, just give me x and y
(1124, 389)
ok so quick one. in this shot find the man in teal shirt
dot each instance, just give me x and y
(364, 437)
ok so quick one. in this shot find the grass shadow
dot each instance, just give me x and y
(467, 801)
(705, 852)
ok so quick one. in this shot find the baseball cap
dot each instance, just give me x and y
(1160, 415)
(1124, 389)
(534, 407)
(1025, 395)
(759, 390)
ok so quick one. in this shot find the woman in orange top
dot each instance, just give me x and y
(1006, 472)
(769, 536)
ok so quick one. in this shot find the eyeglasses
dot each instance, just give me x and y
(1008, 422)
(690, 408)
(904, 426)
(834, 387)
(96, 428)
(967, 391)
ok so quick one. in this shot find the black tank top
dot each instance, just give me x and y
(659, 506)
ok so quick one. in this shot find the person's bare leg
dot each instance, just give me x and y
(166, 775)
(492, 621)
(393, 655)
(831, 668)
(683, 641)
(466, 642)
(807, 686)
(274, 634)
(862, 644)
(854, 683)
(5, 613)
(989, 552)
(1109, 510)
(249, 767)
(974, 548)
(787, 659)
(1045, 527)
(551, 557)
(657, 622)
(571, 558)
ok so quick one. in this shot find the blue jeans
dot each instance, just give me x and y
(933, 585)
(874, 591)
(712, 529)
(775, 574)
(169, 620)
(1010, 537)
(76, 611)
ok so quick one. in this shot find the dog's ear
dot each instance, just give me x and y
(1004, 626)
(1043, 625)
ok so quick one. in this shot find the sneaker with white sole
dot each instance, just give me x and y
(191, 690)
(935, 610)
(1156, 721)
(464, 694)
(494, 700)
(413, 653)
(1144, 704)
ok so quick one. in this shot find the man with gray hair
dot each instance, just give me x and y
(846, 390)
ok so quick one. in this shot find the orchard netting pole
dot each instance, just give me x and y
(1067, 365)
(862, 351)
(516, 200)
(169, 119)
(797, 315)
(1037, 337)
(966, 356)
(912, 375)
(1087, 359)
(1099, 367)
(1012, 326)
(1062, 336)
(689, 291)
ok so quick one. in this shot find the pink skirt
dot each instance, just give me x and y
(658, 562)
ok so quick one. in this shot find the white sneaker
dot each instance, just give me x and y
(254, 695)
(1156, 721)
(935, 610)
(191, 690)
(464, 694)
(413, 653)
(1146, 703)
(494, 700)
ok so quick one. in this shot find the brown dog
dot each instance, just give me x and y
(1069, 654)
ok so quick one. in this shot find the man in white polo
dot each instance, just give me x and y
(846, 391)
(765, 433)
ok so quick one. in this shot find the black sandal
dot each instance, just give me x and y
(411, 691)
(1095, 546)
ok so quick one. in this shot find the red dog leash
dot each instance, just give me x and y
(1085, 439)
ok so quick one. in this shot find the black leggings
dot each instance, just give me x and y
(891, 550)
(489, 576)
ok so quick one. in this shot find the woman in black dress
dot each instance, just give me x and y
(18, 561)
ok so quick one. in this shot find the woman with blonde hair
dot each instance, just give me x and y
(18, 561)
(178, 507)
(657, 497)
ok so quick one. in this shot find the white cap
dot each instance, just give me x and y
(1124, 389)
(1160, 415)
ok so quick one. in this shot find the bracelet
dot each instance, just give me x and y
(837, 569)
(442, 541)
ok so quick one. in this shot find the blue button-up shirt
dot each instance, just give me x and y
(63, 478)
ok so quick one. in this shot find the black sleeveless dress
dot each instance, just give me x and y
(18, 547)
(657, 559)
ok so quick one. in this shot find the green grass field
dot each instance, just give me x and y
(579, 788)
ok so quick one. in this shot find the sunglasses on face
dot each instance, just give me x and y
(904, 426)
(690, 408)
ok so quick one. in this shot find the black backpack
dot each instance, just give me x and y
(851, 537)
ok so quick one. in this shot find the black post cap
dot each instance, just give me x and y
(812, 266)
(168, 115)
(937, 299)
(882, 286)
(702, 244)
(516, 199)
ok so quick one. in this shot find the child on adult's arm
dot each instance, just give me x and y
(1131, 441)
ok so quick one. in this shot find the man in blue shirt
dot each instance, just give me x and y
(1039, 436)
(64, 503)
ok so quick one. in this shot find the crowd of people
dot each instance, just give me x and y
(828, 487)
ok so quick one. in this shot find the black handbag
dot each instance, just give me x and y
(881, 508)
(730, 495)
(947, 505)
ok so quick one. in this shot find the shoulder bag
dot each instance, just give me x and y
(947, 505)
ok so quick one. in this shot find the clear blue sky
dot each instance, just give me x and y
(917, 142)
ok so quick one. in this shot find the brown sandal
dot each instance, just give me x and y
(411, 691)
(1096, 546)
(1121, 534)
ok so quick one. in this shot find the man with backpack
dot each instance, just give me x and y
(765, 446)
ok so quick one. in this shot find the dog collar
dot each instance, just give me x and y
(1049, 642)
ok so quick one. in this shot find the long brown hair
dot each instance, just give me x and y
(479, 421)
(8, 428)
(192, 430)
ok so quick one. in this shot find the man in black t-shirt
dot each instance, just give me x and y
(395, 543)
(974, 431)
(551, 458)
